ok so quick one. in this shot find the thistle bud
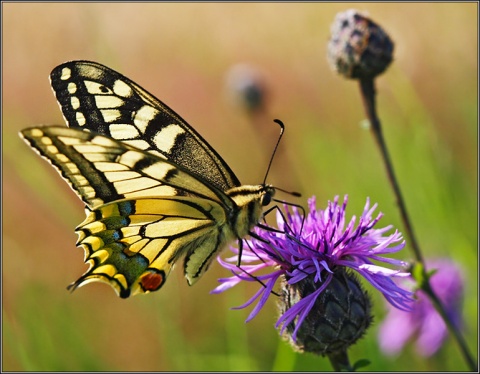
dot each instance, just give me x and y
(247, 87)
(358, 47)
(339, 317)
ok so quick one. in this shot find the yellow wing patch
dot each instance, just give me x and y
(133, 244)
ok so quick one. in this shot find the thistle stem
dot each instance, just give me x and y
(367, 88)
(451, 326)
(340, 361)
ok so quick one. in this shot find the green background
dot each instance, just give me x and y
(182, 53)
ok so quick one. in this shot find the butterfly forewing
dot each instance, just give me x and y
(103, 170)
(97, 98)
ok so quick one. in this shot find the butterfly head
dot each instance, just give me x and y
(268, 193)
(260, 194)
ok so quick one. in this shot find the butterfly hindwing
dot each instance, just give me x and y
(99, 99)
(133, 244)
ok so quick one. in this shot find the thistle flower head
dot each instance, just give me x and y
(358, 47)
(339, 316)
(314, 257)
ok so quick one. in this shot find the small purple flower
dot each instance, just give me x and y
(311, 251)
(423, 321)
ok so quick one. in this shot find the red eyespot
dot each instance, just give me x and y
(152, 280)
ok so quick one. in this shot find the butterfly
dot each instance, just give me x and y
(155, 191)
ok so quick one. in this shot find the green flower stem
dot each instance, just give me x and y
(367, 88)
(340, 361)
(451, 327)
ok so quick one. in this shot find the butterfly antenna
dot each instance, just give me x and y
(282, 129)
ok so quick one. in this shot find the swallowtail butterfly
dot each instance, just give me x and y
(155, 190)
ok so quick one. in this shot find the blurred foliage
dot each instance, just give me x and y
(181, 53)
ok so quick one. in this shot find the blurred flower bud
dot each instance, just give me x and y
(339, 317)
(246, 87)
(358, 47)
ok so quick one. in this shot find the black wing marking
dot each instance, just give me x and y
(101, 100)
(102, 170)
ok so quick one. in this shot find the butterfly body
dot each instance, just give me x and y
(155, 190)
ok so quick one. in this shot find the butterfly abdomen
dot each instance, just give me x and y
(245, 214)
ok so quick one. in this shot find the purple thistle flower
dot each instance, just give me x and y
(311, 250)
(423, 321)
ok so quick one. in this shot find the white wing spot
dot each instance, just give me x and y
(72, 168)
(46, 140)
(66, 74)
(36, 132)
(155, 191)
(110, 115)
(75, 102)
(115, 176)
(96, 201)
(158, 170)
(68, 141)
(110, 166)
(130, 158)
(131, 185)
(165, 139)
(143, 117)
(122, 89)
(81, 121)
(95, 88)
(86, 149)
(52, 149)
(99, 157)
(62, 158)
(138, 143)
(72, 88)
(90, 192)
(103, 141)
(123, 131)
(108, 101)
(158, 154)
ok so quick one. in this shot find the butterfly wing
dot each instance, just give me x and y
(144, 211)
(133, 244)
(101, 100)
(102, 170)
